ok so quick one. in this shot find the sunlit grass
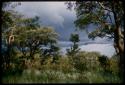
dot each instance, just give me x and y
(64, 71)
(51, 76)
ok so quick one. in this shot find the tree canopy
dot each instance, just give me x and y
(107, 16)
(24, 35)
(74, 38)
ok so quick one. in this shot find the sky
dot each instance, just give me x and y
(57, 15)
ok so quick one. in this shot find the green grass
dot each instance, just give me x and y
(67, 70)
(52, 76)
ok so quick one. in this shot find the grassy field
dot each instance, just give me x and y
(66, 70)
(52, 76)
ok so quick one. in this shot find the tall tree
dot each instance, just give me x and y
(108, 16)
(8, 23)
(74, 48)
(34, 39)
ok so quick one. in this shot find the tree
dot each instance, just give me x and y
(104, 62)
(32, 40)
(108, 16)
(8, 15)
(24, 35)
(25, 29)
(74, 49)
(8, 23)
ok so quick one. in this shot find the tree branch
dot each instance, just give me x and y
(104, 7)
(110, 18)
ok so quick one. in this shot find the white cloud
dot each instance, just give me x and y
(103, 49)
(51, 12)
(54, 14)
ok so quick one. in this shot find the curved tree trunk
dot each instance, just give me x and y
(119, 46)
(118, 38)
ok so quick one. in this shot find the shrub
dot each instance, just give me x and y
(62, 64)
(114, 67)
(85, 61)
(105, 63)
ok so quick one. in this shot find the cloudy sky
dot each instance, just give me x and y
(57, 15)
(54, 14)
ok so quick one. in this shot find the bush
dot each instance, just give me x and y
(105, 63)
(85, 61)
(81, 68)
(62, 64)
(114, 67)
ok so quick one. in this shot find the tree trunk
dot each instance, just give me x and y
(118, 39)
(119, 46)
(9, 48)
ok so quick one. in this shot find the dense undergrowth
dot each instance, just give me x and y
(84, 67)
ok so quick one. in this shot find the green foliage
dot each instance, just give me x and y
(28, 38)
(107, 17)
(32, 39)
(102, 14)
(67, 70)
(74, 38)
(60, 64)
(108, 31)
(105, 63)
(8, 16)
(51, 76)
(31, 62)
(74, 49)
(31, 23)
(83, 21)
(114, 65)
(85, 61)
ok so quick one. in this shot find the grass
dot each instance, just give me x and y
(65, 71)
(52, 76)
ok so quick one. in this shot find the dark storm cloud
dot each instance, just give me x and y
(54, 14)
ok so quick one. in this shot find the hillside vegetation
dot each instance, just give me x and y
(85, 67)
(30, 54)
